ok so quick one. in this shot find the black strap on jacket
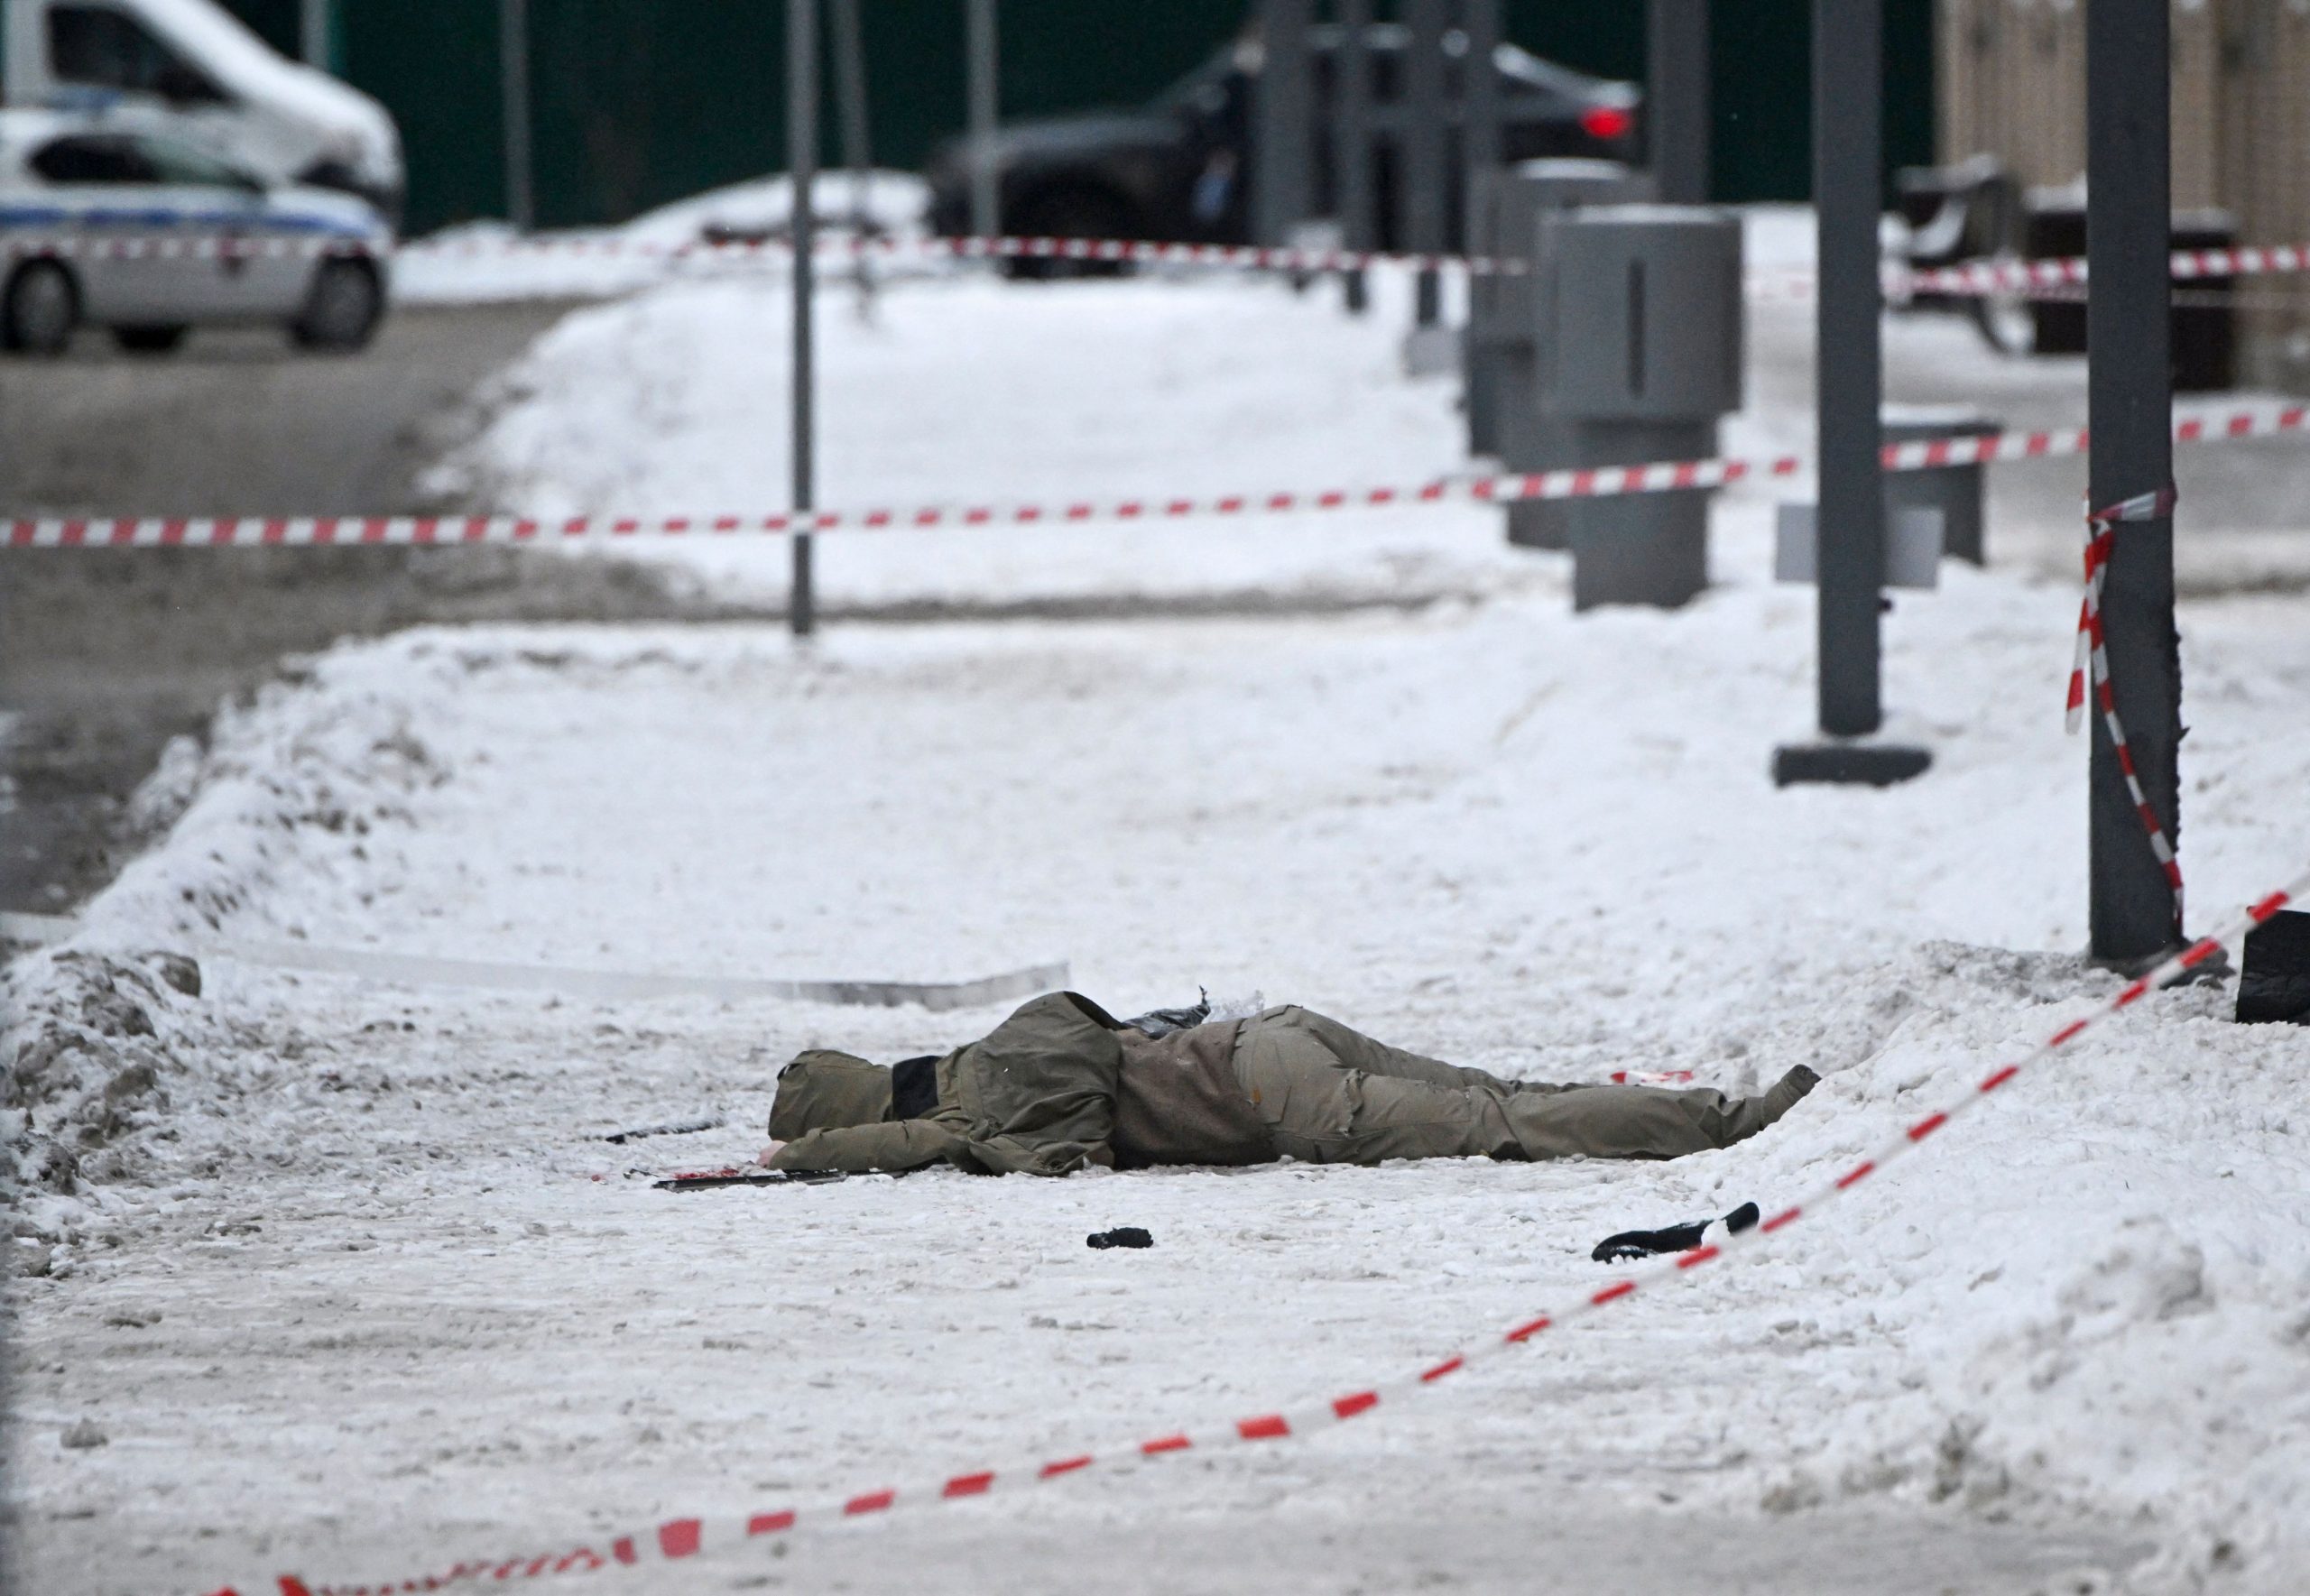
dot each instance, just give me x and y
(914, 1088)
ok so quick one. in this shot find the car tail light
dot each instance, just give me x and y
(1606, 122)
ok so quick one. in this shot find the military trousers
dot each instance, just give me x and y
(1330, 1094)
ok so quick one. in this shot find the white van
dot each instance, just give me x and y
(222, 86)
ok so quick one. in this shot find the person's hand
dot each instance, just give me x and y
(768, 1153)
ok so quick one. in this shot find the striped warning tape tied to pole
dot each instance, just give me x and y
(1659, 476)
(2092, 652)
(678, 1539)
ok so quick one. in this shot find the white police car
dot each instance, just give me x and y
(118, 223)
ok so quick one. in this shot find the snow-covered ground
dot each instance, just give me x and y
(482, 261)
(337, 1283)
(958, 390)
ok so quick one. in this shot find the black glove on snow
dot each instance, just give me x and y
(1676, 1238)
(1129, 1235)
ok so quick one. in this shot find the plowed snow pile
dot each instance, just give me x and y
(338, 1277)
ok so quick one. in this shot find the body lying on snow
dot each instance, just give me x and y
(1062, 1085)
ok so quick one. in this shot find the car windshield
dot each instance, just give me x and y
(105, 48)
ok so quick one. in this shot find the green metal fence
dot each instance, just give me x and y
(639, 102)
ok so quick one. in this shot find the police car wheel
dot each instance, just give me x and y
(342, 309)
(41, 309)
(149, 340)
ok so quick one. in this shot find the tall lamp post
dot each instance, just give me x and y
(1352, 140)
(1420, 161)
(983, 48)
(2136, 909)
(513, 54)
(802, 164)
(316, 36)
(1848, 101)
(1676, 98)
(1282, 120)
(850, 84)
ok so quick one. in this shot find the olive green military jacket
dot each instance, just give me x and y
(1035, 1096)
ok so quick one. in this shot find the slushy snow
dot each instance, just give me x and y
(344, 1278)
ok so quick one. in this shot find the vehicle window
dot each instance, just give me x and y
(1207, 91)
(106, 48)
(104, 159)
(171, 162)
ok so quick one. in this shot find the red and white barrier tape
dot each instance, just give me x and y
(680, 1538)
(1594, 482)
(2101, 538)
(82, 246)
(1994, 277)
(1222, 256)
(1115, 251)
(2056, 276)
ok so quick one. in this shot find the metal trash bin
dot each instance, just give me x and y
(1956, 492)
(1504, 325)
(1641, 353)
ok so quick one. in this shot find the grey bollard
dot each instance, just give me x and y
(1525, 437)
(1956, 491)
(1642, 354)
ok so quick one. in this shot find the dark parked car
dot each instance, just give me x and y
(1176, 168)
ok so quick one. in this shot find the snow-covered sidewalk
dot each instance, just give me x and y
(344, 1282)
(400, 1324)
(963, 391)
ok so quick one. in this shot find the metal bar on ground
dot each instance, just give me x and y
(802, 162)
(983, 48)
(514, 66)
(2135, 911)
(1676, 98)
(607, 986)
(1420, 146)
(1351, 142)
(1283, 115)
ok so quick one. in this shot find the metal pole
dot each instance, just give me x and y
(1282, 120)
(1419, 150)
(1480, 135)
(1352, 139)
(1676, 98)
(1481, 348)
(802, 162)
(314, 42)
(1848, 50)
(987, 211)
(2130, 404)
(850, 84)
(513, 51)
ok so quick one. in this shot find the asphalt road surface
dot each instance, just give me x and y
(104, 655)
